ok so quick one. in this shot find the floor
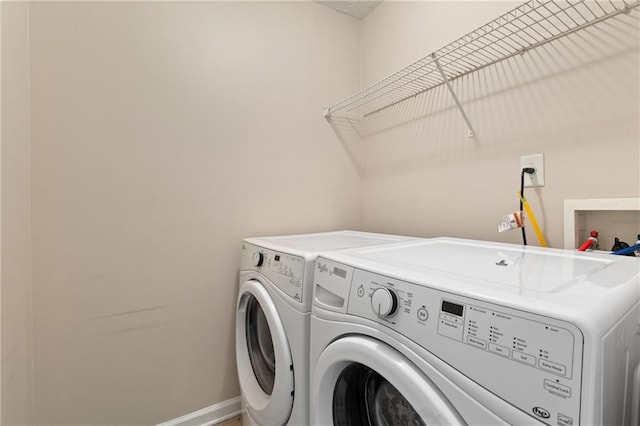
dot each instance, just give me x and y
(236, 421)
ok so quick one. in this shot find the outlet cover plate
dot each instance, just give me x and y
(537, 162)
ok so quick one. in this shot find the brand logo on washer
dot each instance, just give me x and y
(541, 412)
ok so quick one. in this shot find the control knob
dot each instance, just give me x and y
(258, 258)
(384, 302)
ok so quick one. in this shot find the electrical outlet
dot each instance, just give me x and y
(537, 162)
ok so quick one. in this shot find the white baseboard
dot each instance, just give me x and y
(210, 415)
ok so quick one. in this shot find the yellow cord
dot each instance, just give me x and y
(534, 222)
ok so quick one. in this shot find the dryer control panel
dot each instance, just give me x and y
(532, 361)
(284, 270)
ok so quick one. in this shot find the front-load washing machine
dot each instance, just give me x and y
(452, 332)
(272, 322)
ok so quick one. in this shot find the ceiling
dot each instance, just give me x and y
(356, 8)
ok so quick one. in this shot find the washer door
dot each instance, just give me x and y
(265, 368)
(362, 381)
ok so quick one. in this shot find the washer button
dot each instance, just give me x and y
(564, 420)
(423, 314)
(552, 367)
(557, 389)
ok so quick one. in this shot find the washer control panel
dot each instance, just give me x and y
(532, 361)
(548, 347)
(284, 270)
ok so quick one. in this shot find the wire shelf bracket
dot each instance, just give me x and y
(453, 95)
(526, 27)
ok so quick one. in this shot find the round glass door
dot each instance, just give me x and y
(265, 366)
(363, 397)
(260, 345)
(361, 381)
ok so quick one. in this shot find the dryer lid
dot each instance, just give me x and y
(323, 241)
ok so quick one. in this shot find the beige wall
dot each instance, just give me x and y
(575, 100)
(17, 324)
(162, 134)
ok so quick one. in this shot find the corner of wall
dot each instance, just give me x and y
(1, 204)
(16, 333)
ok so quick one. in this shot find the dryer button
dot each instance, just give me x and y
(258, 259)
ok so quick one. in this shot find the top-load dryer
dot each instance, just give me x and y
(272, 322)
(450, 331)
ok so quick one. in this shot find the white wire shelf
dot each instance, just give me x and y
(526, 27)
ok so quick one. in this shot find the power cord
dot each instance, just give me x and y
(530, 171)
